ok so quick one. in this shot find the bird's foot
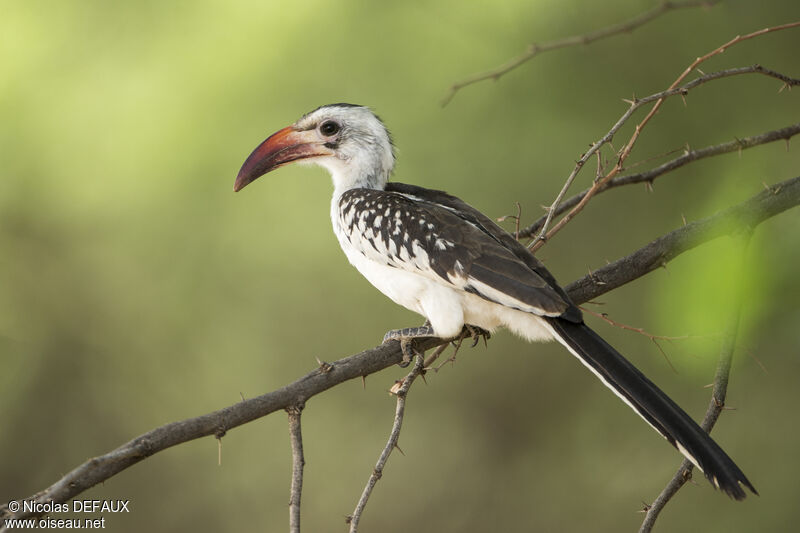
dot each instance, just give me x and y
(406, 336)
(476, 334)
(469, 332)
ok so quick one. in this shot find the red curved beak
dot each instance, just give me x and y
(283, 146)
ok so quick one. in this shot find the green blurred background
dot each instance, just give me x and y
(136, 289)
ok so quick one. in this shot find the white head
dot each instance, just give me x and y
(350, 141)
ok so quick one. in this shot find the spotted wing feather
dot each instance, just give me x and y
(444, 242)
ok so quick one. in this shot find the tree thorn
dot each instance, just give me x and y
(323, 366)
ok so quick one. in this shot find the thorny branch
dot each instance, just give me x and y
(744, 216)
(544, 233)
(535, 49)
(648, 176)
(401, 391)
(718, 394)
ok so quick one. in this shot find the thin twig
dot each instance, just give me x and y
(298, 462)
(649, 176)
(673, 89)
(401, 392)
(719, 391)
(435, 355)
(748, 214)
(641, 331)
(535, 49)
(452, 358)
(517, 220)
(685, 149)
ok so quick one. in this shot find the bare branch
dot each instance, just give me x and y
(718, 393)
(298, 462)
(535, 49)
(649, 176)
(401, 391)
(746, 215)
(659, 98)
(741, 217)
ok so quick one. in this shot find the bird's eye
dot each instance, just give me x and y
(329, 128)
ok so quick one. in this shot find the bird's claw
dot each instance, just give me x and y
(476, 334)
(472, 332)
(409, 351)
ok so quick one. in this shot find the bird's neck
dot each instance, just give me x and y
(364, 170)
(358, 179)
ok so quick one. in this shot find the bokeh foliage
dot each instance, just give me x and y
(137, 289)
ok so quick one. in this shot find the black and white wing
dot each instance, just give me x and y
(411, 228)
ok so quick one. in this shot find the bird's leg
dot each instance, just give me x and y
(406, 337)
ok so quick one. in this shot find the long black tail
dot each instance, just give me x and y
(652, 405)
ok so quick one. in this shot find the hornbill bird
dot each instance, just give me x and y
(437, 256)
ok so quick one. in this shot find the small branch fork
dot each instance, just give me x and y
(718, 394)
(659, 98)
(400, 391)
(536, 49)
(298, 462)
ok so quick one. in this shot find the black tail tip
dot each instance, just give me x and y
(735, 489)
